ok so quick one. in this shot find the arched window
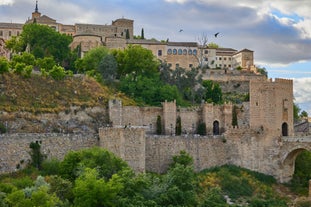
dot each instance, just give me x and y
(174, 51)
(169, 51)
(284, 129)
(194, 52)
(189, 52)
(179, 51)
(184, 52)
(215, 128)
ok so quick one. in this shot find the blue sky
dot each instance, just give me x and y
(278, 31)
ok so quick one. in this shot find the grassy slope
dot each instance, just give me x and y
(43, 94)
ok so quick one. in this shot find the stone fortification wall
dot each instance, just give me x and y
(15, 147)
(206, 152)
(190, 118)
(127, 143)
(271, 106)
(232, 75)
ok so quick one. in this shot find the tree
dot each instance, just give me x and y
(57, 72)
(136, 60)
(42, 41)
(92, 190)
(178, 126)
(296, 110)
(202, 40)
(159, 125)
(213, 93)
(36, 156)
(142, 34)
(304, 114)
(108, 68)
(213, 45)
(4, 65)
(105, 162)
(92, 59)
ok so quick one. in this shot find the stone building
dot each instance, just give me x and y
(120, 33)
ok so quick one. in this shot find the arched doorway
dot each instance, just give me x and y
(284, 129)
(215, 128)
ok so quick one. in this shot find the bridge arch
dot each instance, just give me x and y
(288, 163)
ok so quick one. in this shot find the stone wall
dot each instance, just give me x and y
(127, 143)
(206, 152)
(15, 147)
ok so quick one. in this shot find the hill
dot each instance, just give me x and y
(39, 94)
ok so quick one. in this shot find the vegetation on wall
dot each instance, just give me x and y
(96, 177)
(159, 125)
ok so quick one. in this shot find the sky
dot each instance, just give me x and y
(278, 31)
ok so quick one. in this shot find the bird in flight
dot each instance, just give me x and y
(216, 34)
(181, 30)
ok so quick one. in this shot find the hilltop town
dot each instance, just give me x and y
(257, 133)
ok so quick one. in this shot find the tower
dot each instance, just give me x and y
(36, 13)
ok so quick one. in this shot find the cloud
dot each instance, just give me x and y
(6, 2)
(302, 93)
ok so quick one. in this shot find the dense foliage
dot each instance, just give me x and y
(96, 177)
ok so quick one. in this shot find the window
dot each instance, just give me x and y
(220, 58)
(229, 58)
(225, 58)
(184, 52)
(206, 59)
(174, 51)
(1, 33)
(190, 65)
(179, 51)
(10, 33)
(169, 51)
(194, 52)
(205, 52)
(189, 52)
(17, 33)
(159, 52)
(177, 65)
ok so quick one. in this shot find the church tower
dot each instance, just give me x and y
(36, 14)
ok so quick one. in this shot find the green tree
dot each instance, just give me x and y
(46, 63)
(142, 34)
(159, 125)
(108, 68)
(23, 58)
(36, 155)
(136, 60)
(296, 110)
(57, 72)
(213, 92)
(304, 114)
(105, 162)
(42, 41)
(92, 59)
(178, 126)
(91, 190)
(213, 45)
(201, 128)
(4, 65)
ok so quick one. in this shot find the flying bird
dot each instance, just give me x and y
(181, 30)
(216, 34)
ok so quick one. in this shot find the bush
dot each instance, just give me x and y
(201, 129)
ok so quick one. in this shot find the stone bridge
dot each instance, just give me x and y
(290, 148)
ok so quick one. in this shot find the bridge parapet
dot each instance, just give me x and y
(297, 139)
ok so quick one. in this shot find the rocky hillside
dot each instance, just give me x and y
(41, 104)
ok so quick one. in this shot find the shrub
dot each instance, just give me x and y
(2, 129)
(159, 125)
(201, 129)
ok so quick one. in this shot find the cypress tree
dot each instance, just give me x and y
(159, 125)
(234, 116)
(178, 126)
(142, 34)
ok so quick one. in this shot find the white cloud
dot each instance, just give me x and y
(6, 2)
(302, 93)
